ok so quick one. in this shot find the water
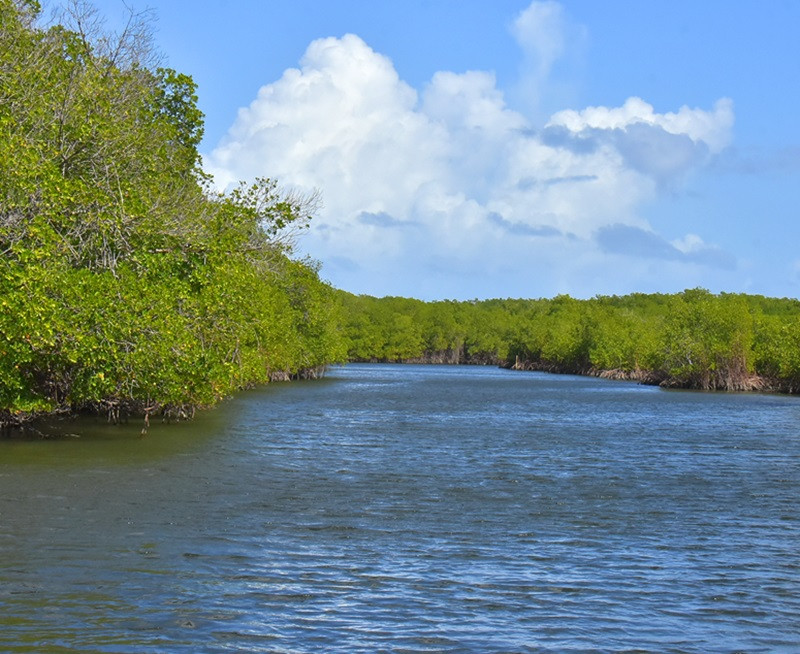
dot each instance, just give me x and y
(412, 509)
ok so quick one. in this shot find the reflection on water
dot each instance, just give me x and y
(87, 440)
(408, 508)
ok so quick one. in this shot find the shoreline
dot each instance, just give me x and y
(118, 411)
(746, 383)
(749, 383)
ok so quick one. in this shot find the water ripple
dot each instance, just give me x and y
(413, 509)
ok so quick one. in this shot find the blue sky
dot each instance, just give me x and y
(492, 149)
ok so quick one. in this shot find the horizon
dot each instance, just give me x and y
(598, 296)
(518, 150)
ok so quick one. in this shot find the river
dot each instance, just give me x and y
(392, 508)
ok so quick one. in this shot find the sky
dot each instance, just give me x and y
(473, 149)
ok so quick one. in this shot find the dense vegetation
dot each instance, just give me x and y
(126, 284)
(692, 339)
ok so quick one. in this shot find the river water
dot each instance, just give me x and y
(412, 509)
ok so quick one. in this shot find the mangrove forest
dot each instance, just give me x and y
(126, 283)
(129, 285)
(694, 339)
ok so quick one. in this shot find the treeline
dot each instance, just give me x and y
(693, 339)
(126, 283)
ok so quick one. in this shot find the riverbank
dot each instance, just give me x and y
(749, 383)
(116, 410)
(742, 383)
(693, 339)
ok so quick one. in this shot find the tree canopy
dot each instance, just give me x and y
(125, 280)
(693, 339)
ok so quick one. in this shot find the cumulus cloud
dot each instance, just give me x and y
(662, 146)
(447, 191)
(709, 127)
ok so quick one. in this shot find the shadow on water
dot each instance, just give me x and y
(89, 439)
(86, 440)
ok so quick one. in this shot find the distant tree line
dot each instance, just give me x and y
(693, 339)
(126, 283)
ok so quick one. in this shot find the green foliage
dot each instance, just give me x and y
(693, 339)
(123, 280)
(707, 340)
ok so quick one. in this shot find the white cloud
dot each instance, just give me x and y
(449, 192)
(540, 32)
(711, 128)
(549, 41)
(689, 243)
